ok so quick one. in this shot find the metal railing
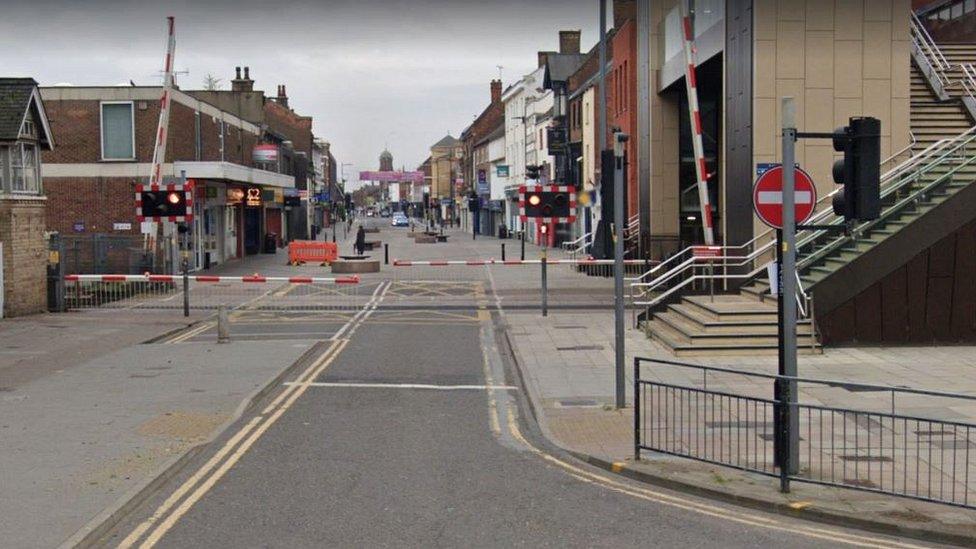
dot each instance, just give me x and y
(753, 256)
(733, 418)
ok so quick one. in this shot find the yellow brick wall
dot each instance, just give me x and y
(664, 134)
(24, 256)
(837, 59)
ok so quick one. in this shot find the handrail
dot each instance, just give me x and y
(892, 181)
(929, 48)
(576, 243)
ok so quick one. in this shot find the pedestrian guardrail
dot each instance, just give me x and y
(205, 292)
(881, 442)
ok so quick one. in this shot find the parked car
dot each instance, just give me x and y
(384, 213)
(399, 220)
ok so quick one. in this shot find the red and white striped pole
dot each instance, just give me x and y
(159, 151)
(701, 170)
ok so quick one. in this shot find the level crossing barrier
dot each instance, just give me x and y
(876, 438)
(207, 292)
(312, 251)
(509, 283)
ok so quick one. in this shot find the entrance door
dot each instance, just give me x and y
(273, 223)
(252, 230)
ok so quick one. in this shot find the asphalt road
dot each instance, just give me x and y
(407, 429)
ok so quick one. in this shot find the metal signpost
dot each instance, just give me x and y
(619, 139)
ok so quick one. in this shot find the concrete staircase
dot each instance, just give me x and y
(741, 324)
(745, 323)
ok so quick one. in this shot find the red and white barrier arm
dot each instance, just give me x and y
(512, 262)
(696, 123)
(255, 278)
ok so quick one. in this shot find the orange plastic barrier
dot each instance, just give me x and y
(310, 251)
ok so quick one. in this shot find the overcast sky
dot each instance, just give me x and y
(372, 73)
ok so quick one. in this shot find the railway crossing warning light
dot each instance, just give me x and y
(164, 203)
(860, 169)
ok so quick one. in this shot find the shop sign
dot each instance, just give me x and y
(279, 196)
(235, 195)
(265, 153)
(253, 198)
(501, 170)
(268, 195)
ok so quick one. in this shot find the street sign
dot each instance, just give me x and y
(767, 197)
(706, 252)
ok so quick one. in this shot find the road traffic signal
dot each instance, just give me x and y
(532, 172)
(164, 204)
(860, 169)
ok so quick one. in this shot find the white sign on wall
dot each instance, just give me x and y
(122, 226)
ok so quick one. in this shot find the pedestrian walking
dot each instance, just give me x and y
(360, 241)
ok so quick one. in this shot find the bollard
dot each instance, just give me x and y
(503, 251)
(545, 290)
(522, 233)
(386, 254)
(186, 288)
(223, 329)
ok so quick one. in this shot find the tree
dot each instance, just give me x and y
(211, 83)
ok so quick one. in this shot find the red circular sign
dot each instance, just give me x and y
(767, 197)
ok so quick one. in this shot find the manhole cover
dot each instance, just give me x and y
(578, 403)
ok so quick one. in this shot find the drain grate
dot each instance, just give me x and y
(862, 482)
(866, 459)
(581, 348)
(738, 424)
(570, 327)
(578, 403)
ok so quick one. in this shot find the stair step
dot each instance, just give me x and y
(731, 307)
(671, 339)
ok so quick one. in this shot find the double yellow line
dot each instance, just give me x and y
(191, 333)
(195, 487)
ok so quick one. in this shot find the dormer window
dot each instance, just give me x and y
(29, 129)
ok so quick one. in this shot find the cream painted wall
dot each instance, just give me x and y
(838, 59)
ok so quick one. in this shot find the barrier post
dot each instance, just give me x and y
(522, 233)
(223, 330)
(545, 292)
(503, 251)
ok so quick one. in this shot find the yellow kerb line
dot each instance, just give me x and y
(209, 483)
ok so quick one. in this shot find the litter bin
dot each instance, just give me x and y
(502, 231)
(270, 243)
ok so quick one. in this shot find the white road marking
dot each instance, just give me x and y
(423, 386)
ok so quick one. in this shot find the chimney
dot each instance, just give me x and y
(569, 41)
(623, 10)
(544, 57)
(239, 84)
(282, 97)
(496, 91)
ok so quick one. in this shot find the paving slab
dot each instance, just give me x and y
(573, 401)
(80, 440)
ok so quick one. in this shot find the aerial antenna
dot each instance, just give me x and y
(500, 67)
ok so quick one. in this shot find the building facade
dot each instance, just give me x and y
(25, 134)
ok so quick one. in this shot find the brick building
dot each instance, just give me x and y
(475, 134)
(109, 134)
(24, 133)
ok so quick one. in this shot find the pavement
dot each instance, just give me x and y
(427, 407)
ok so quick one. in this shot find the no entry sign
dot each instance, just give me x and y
(767, 197)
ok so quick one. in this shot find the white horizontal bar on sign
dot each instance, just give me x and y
(776, 197)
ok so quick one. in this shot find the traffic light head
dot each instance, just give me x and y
(859, 171)
(532, 172)
(547, 204)
(164, 204)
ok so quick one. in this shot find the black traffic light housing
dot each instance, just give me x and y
(532, 172)
(163, 203)
(547, 204)
(860, 169)
(473, 202)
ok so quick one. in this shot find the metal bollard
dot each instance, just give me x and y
(523, 244)
(503, 251)
(545, 289)
(223, 328)
(186, 289)
(386, 254)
